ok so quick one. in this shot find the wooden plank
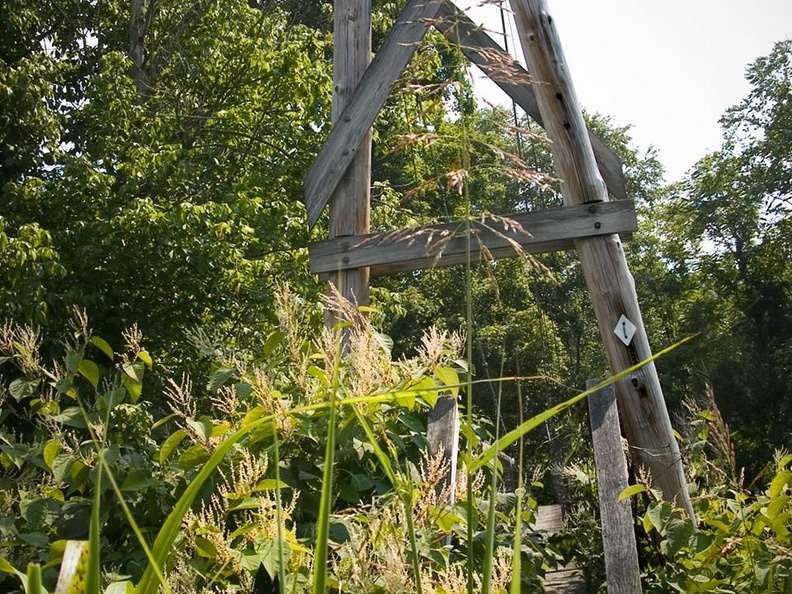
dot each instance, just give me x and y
(414, 248)
(622, 570)
(350, 210)
(442, 433)
(352, 127)
(515, 81)
(565, 580)
(610, 284)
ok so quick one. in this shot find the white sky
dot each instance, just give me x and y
(668, 68)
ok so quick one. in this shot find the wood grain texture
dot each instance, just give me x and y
(354, 123)
(565, 580)
(610, 284)
(350, 205)
(442, 433)
(515, 81)
(414, 248)
(622, 571)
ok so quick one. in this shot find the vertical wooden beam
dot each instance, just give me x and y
(622, 571)
(442, 433)
(350, 205)
(610, 284)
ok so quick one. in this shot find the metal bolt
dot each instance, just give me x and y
(593, 208)
(345, 246)
(345, 259)
(597, 225)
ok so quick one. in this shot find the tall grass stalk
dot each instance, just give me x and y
(279, 513)
(326, 498)
(514, 587)
(489, 550)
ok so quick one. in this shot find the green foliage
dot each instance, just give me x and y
(167, 196)
(203, 479)
(741, 541)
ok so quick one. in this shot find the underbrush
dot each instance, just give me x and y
(302, 468)
(306, 468)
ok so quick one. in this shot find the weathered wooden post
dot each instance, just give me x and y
(350, 204)
(623, 574)
(604, 265)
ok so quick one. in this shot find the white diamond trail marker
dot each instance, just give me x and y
(625, 330)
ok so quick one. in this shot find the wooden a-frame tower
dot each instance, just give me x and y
(588, 222)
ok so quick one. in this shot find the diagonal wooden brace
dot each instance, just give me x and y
(358, 116)
(515, 81)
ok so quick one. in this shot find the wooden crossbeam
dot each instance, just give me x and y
(515, 81)
(359, 114)
(492, 238)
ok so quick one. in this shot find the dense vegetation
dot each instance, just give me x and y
(150, 213)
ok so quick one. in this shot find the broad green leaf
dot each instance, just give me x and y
(777, 485)
(112, 398)
(449, 377)
(243, 390)
(658, 514)
(170, 444)
(79, 472)
(90, 371)
(205, 547)
(678, 533)
(273, 340)
(319, 374)
(66, 386)
(22, 387)
(51, 449)
(146, 358)
(250, 560)
(137, 480)
(6, 567)
(61, 465)
(406, 399)
(73, 359)
(194, 456)
(202, 427)
(777, 505)
(631, 490)
(102, 345)
(270, 484)
(219, 379)
(253, 415)
(71, 417)
(384, 341)
(270, 552)
(781, 524)
(133, 387)
(361, 482)
(134, 371)
(37, 539)
(125, 587)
